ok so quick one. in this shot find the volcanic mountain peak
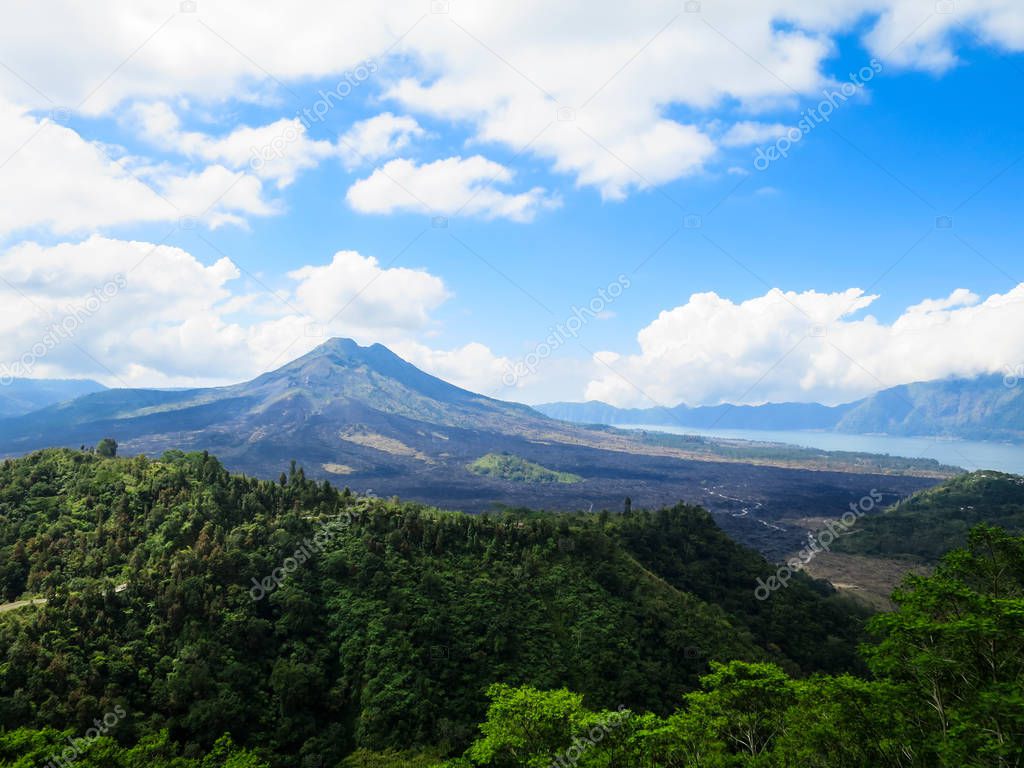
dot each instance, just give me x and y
(346, 353)
(341, 372)
(333, 354)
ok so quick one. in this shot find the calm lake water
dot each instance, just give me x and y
(1003, 457)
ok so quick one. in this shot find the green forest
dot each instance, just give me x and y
(517, 469)
(926, 525)
(195, 618)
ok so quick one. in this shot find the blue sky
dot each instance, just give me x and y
(650, 181)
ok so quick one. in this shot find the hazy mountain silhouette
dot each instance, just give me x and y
(21, 396)
(983, 408)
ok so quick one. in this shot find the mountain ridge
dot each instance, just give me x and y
(724, 416)
(20, 396)
(982, 407)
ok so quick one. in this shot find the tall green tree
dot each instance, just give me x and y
(107, 448)
(955, 648)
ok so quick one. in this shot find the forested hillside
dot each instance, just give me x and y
(931, 522)
(307, 622)
(947, 691)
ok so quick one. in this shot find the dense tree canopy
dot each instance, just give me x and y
(947, 690)
(318, 628)
(930, 523)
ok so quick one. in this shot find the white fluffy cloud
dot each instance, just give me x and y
(450, 186)
(280, 150)
(217, 196)
(371, 296)
(504, 69)
(141, 314)
(809, 346)
(158, 309)
(472, 366)
(932, 46)
(749, 132)
(381, 136)
(277, 151)
(51, 177)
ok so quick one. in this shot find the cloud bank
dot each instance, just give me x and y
(810, 346)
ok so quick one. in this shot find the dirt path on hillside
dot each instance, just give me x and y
(21, 604)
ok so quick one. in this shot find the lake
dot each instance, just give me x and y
(1003, 457)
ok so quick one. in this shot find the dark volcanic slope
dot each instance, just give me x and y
(366, 418)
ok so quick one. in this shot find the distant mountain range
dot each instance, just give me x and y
(21, 396)
(983, 408)
(366, 418)
(768, 416)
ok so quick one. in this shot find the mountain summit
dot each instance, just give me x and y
(341, 377)
(341, 367)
